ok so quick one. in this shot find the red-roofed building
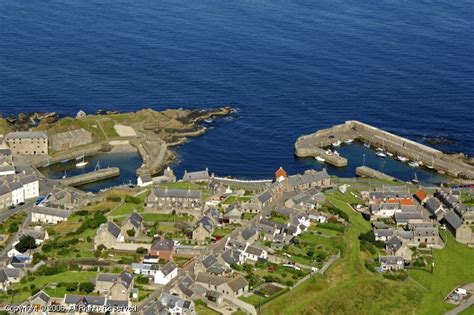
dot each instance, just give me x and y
(421, 195)
(401, 201)
(280, 174)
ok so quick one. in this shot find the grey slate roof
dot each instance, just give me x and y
(453, 220)
(248, 232)
(52, 211)
(136, 220)
(432, 204)
(4, 189)
(126, 278)
(42, 296)
(206, 222)
(177, 193)
(168, 268)
(254, 250)
(113, 229)
(390, 260)
(394, 243)
(28, 179)
(237, 284)
(12, 272)
(90, 300)
(26, 135)
(206, 278)
(162, 245)
(3, 276)
(116, 303)
(209, 261)
(265, 197)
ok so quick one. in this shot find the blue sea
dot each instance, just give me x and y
(290, 67)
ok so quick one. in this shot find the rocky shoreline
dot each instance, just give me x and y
(152, 133)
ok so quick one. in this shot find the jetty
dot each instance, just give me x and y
(312, 145)
(364, 171)
(91, 177)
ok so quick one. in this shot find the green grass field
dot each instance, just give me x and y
(127, 208)
(450, 270)
(347, 287)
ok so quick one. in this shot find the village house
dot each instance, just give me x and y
(38, 233)
(231, 287)
(28, 143)
(145, 269)
(166, 273)
(306, 200)
(38, 301)
(7, 170)
(70, 139)
(421, 196)
(424, 232)
(83, 303)
(30, 185)
(133, 223)
(309, 179)
(18, 194)
(144, 180)
(174, 199)
(248, 235)
(5, 197)
(115, 287)
(173, 304)
(391, 263)
(199, 176)
(263, 200)
(461, 231)
(203, 230)
(435, 207)
(209, 264)
(162, 248)
(232, 214)
(49, 215)
(403, 218)
(108, 234)
(9, 276)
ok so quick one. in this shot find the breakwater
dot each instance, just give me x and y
(91, 177)
(312, 144)
(364, 171)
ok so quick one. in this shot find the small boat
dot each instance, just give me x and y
(441, 172)
(415, 180)
(64, 161)
(320, 159)
(81, 164)
(349, 141)
(380, 154)
(401, 158)
(380, 149)
(337, 143)
(65, 174)
(208, 121)
(336, 153)
(328, 152)
(431, 166)
(80, 157)
(366, 145)
(414, 164)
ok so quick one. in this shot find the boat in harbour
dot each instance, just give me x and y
(381, 154)
(337, 143)
(83, 163)
(349, 141)
(328, 152)
(415, 179)
(402, 158)
(320, 159)
(336, 153)
(64, 161)
(80, 157)
(366, 145)
(414, 164)
(389, 154)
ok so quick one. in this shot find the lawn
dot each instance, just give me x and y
(324, 231)
(127, 208)
(162, 217)
(468, 311)
(184, 185)
(450, 271)
(231, 199)
(348, 287)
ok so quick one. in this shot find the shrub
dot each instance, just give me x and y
(131, 232)
(114, 198)
(71, 286)
(142, 280)
(86, 287)
(289, 283)
(132, 199)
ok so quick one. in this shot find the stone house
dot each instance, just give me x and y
(83, 302)
(460, 230)
(115, 286)
(108, 235)
(30, 185)
(5, 197)
(70, 139)
(172, 304)
(49, 215)
(391, 263)
(199, 176)
(233, 214)
(177, 199)
(9, 276)
(203, 230)
(162, 248)
(309, 179)
(28, 143)
(231, 287)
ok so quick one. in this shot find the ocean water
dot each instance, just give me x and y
(290, 67)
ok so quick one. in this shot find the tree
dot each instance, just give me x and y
(86, 287)
(13, 228)
(141, 250)
(71, 286)
(26, 242)
(131, 232)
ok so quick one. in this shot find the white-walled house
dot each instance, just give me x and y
(167, 273)
(30, 186)
(18, 195)
(49, 215)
